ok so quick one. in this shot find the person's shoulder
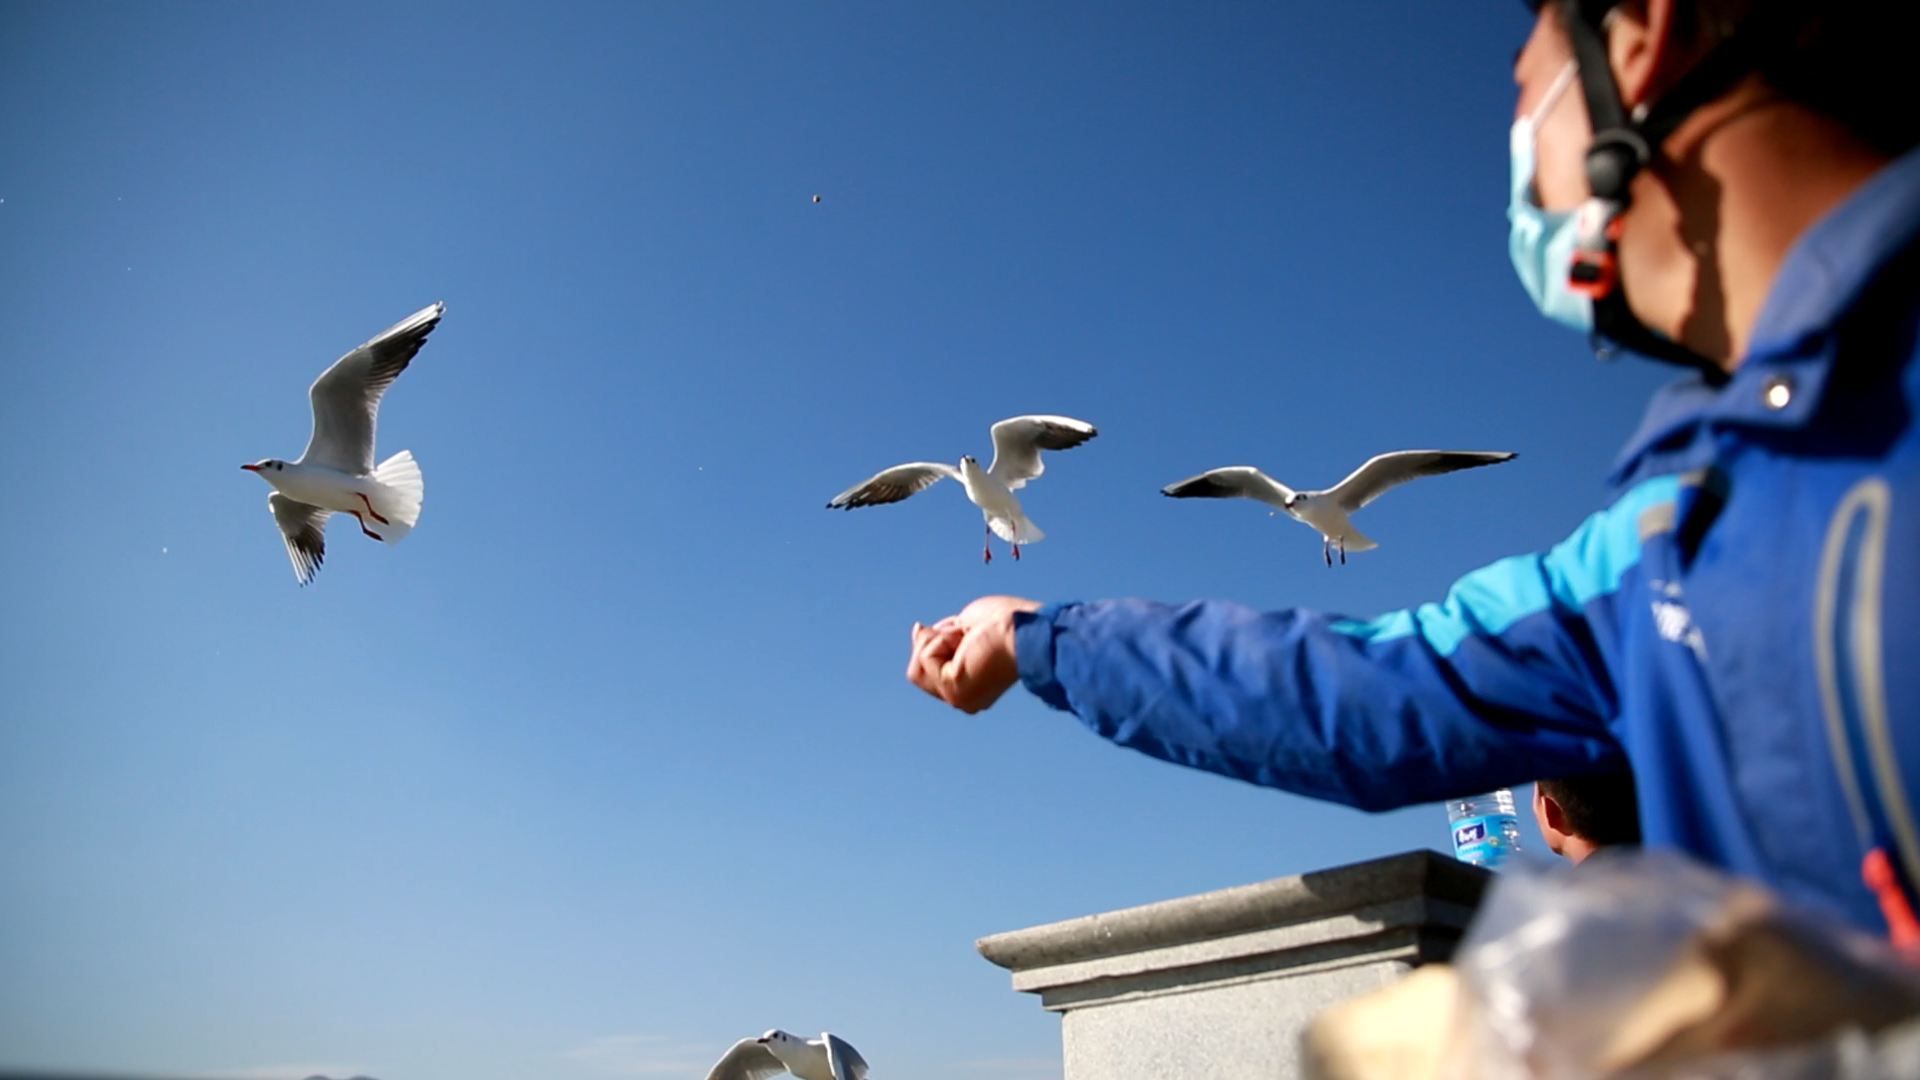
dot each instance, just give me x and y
(1599, 553)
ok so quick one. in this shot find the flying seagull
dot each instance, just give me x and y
(1327, 510)
(828, 1057)
(336, 472)
(1017, 442)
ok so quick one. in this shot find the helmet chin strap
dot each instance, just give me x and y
(1623, 145)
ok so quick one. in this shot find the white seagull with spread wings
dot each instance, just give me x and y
(1327, 510)
(336, 473)
(1017, 442)
(828, 1057)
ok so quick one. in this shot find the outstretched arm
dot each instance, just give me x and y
(1508, 679)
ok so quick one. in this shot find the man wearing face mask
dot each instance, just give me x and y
(1726, 185)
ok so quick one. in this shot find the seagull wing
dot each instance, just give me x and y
(892, 485)
(1018, 440)
(346, 396)
(302, 527)
(749, 1059)
(1383, 471)
(846, 1061)
(1232, 481)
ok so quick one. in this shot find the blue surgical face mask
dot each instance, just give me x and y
(1541, 242)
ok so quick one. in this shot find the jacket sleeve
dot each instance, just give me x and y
(1506, 681)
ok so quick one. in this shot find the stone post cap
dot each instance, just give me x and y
(1423, 884)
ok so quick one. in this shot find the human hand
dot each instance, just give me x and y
(967, 660)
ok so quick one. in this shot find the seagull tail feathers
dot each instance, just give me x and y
(401, 491)
(1359, 541)
(1017, 531)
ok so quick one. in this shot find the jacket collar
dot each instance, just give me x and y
(1822, 275)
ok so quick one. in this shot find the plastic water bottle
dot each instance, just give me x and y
(1485, 830)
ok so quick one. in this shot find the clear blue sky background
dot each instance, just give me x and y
(611, 762)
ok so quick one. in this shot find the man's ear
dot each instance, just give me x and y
(1555, 814)
(1545, 812)
(1640, 44)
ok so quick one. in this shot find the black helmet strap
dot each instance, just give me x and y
(1622, 146)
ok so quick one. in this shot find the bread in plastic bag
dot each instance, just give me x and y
(1635, 964)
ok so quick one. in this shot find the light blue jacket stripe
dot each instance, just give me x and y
(1580, 569)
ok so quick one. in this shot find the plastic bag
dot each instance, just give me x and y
(1634, 967)
(1645, 964)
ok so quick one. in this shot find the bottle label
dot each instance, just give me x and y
(1481, 840)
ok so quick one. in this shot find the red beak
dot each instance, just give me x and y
(251, 468)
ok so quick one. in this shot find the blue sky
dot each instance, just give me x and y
(611, 762)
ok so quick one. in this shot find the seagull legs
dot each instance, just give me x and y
(363, 525)
(1343, 551)
(986, 546)
(1326, 551)
(371, 510)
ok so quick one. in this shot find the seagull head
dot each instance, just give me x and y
(266, 465)
(775, 1036)
(968, 464)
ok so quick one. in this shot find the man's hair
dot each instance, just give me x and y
(1849, 59)
(1600, 809)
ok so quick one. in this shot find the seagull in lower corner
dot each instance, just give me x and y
(828, 1057)
(1327, 510)
(336, 473)
(1017, 442)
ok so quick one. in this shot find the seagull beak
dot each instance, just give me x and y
(251, 468)
(761, 1039)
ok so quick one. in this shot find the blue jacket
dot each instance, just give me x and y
(1739, 625)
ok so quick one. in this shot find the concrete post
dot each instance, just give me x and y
(1220, 984)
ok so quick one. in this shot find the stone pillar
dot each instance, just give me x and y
(1219, 985)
